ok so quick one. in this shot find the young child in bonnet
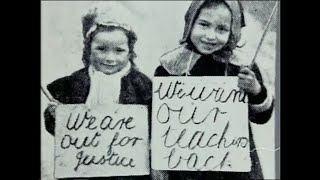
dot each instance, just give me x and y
(211, 34)
(110, 75)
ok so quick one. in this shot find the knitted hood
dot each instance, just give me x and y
(182, 59)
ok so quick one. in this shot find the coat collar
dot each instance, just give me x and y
(181, 60)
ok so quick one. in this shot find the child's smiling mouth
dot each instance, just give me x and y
(208, 44)
(108, 65)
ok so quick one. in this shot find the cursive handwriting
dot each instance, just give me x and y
(89, 122)
(69, 140)
(174, 89)
(193, 162)
(164, 114)
(112, 158)
(200, 140)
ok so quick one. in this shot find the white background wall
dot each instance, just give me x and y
(160, 30)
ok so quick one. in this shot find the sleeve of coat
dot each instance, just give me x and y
(56, 89)
(261, 105)
(160, 71)
(49, 121)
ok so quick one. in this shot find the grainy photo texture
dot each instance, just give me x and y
(164, 90)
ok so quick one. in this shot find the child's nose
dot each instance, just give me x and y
(109, 61)
(110, 57)
(211, 35)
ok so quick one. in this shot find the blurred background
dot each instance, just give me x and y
(159, 27)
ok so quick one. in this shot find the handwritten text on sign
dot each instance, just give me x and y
(104, 141)
(199, 123)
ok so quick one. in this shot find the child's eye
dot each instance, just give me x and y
(101, 48)
(203, 24)
(119, 50)
(222, 29)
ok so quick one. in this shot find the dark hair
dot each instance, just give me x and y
(132, 38)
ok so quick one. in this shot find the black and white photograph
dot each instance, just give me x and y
(160, 90)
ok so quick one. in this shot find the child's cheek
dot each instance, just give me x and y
(195, 35)
(223, 38)
(98, 57)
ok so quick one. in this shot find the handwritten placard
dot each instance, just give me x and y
(199, 124)
(100, 142)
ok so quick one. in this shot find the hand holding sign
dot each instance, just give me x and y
(248, 81)
(52, 106)
(53, 103)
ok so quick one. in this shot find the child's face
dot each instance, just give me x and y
(211, 29)
(109, 51)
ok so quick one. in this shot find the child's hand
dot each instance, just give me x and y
(52, 106)
(248, 82)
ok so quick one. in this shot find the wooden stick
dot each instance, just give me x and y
(49, 97)
(264, 34)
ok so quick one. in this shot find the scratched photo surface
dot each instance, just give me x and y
(159, 26)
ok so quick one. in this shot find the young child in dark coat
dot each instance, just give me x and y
(212, 31)
(109, 76)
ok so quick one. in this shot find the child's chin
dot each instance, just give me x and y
(109, 71)
(206, 52)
